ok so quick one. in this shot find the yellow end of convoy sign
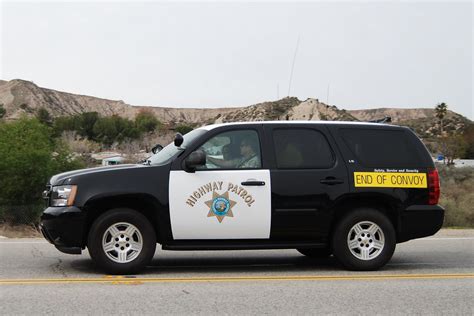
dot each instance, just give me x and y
(390, 180)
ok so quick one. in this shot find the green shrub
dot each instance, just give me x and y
(29, 156)
(114, 129)
(457, 195)
(183, 129)
(43, 116)
(107, 130)
(146, 121)
(2, 111)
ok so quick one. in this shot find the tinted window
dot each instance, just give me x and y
(238, 149)
(301, 149)
(379, 148)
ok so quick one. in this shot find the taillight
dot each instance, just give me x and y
(433, 187)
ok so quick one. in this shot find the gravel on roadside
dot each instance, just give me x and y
(19, 231)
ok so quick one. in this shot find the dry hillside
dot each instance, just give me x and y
(21, 97)
(423, 121)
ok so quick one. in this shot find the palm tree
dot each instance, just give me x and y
(441, 109)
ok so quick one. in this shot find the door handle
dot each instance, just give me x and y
(331, 181)
(253, 183)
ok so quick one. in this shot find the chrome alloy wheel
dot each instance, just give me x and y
(122, 242)
(365, 240)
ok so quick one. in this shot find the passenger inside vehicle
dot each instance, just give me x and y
(291, 156)
(249, 154)
(248, 158)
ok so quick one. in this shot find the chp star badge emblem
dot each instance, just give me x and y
(220, 206)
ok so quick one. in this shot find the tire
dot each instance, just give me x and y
(359, 245)
(315, 253)
(121, 241)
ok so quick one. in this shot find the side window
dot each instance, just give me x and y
(233, 150)
(301, 148)
(380, 148)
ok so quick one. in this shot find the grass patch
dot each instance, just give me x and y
(457, 195)
(19, 231)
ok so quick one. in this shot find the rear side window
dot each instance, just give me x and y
(301, 148)
(379, 148)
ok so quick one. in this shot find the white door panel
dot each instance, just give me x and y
(215, 205)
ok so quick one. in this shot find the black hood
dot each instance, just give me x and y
(68, 177)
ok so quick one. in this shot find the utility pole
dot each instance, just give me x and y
(293, 65)
(327, 95)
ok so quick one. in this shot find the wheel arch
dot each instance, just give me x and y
(382, 202)
(146, 204)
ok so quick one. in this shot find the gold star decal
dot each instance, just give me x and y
(220, 206)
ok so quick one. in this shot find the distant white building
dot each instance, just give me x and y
(108, 158)
(459, 163)
(116, 160)
(464, 163)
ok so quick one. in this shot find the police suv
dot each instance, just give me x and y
(352, 190)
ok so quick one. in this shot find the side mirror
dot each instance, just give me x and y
(178, 140)
(195, 159)
(157, 148)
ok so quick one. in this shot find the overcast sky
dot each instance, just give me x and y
(370, 54)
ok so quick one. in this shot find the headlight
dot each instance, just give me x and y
(63, 195)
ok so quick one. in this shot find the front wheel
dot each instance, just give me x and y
(364, 240)
(122, 241)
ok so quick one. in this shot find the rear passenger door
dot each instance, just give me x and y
(307, 176)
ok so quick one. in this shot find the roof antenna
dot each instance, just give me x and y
(293, 64)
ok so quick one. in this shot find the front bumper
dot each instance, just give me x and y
(420, 221)
(64, 227)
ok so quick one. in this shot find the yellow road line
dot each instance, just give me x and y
(133, 280)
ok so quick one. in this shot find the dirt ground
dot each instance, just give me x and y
(19, 231)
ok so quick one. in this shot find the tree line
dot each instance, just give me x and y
(105, 129)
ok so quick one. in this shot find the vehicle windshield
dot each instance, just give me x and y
(170, 151)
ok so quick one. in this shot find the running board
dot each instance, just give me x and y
(238, 245)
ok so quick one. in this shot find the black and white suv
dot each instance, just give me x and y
(352, 190)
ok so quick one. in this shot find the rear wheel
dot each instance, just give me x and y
(364, 240)
(122, 241)
(315, 252)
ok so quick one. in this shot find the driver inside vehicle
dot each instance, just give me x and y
(248, 157)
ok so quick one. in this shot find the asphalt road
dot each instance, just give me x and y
(429, 276)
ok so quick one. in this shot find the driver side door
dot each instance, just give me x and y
(229, 197)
